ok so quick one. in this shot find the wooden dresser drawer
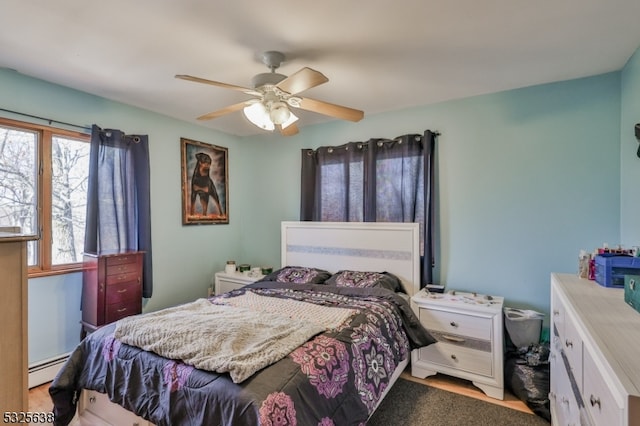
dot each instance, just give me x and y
(122, 268)
(460, 358)
(116, 311)
(456, 323)
(122, 259)
(111, 288)
(598, 398)
(123, 292)
(123, 278)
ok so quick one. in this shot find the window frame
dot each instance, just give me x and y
(44, 181)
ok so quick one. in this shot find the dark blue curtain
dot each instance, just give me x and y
(118, 197)
(380, 180)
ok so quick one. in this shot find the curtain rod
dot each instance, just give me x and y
(49, 120)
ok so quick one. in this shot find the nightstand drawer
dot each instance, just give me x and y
(224, 286)
(225, 282)
(456, 323)
(459, 358)
(468, 330)
(123, 292)
(117, 311)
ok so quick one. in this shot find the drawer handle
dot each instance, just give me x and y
(565, 400)
(632, 284)
(595, 401)
(92, 399)
(454, 357)
(453, 338)
(124, 290)
(122, 310)
(568, 343)
(453, 324)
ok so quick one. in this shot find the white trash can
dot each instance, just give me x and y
(523, 326)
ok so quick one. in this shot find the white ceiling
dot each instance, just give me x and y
(379, 55)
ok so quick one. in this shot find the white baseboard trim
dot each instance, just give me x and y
(46, 370)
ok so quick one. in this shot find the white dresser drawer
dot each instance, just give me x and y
(566, 405)
(600, 343)
(474, 326)
(462, 359)
(557, 315)
(598, 397)
(572, 345)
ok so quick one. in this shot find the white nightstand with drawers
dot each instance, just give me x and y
(225, 282)
(469, 331)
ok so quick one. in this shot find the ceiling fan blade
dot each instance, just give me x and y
(290, 130)
(219, 84)
(224, 111)
(302, 80)
(331, 110)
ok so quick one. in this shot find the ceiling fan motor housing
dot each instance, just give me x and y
(267, 78)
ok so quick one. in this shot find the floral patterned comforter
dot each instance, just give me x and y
(335, 378)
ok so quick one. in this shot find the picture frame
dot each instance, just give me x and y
(205, 183)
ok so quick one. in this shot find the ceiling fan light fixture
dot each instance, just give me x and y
(292, 119)
(258, 114)
(279, 112)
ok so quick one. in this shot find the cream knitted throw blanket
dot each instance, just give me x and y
(217, 338)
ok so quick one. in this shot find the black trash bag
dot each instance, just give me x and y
(527, 376)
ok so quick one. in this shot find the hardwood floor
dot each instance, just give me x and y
(466, 388)
(39, 400)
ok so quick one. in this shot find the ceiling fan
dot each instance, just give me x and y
(274, 96)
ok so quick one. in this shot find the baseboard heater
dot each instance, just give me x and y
(45, 371)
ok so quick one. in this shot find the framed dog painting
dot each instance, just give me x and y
(205, 183)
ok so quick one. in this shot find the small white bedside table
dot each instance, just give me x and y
(226, 282)
(468, 328)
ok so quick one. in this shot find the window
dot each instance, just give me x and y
(43, 190)
(380, 180)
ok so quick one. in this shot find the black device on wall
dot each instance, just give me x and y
(638, 137)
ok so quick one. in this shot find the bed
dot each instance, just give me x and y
(333, 360)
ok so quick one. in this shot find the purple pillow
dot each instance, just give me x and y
(298, 275)
(365, 279)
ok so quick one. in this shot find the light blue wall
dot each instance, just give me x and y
(526, 178)
(629, 162)
(184, 257)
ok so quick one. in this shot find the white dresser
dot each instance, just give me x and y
(225, 282)
(469, 331)
(595, 354)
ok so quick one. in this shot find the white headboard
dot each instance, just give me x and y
(358, 246)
